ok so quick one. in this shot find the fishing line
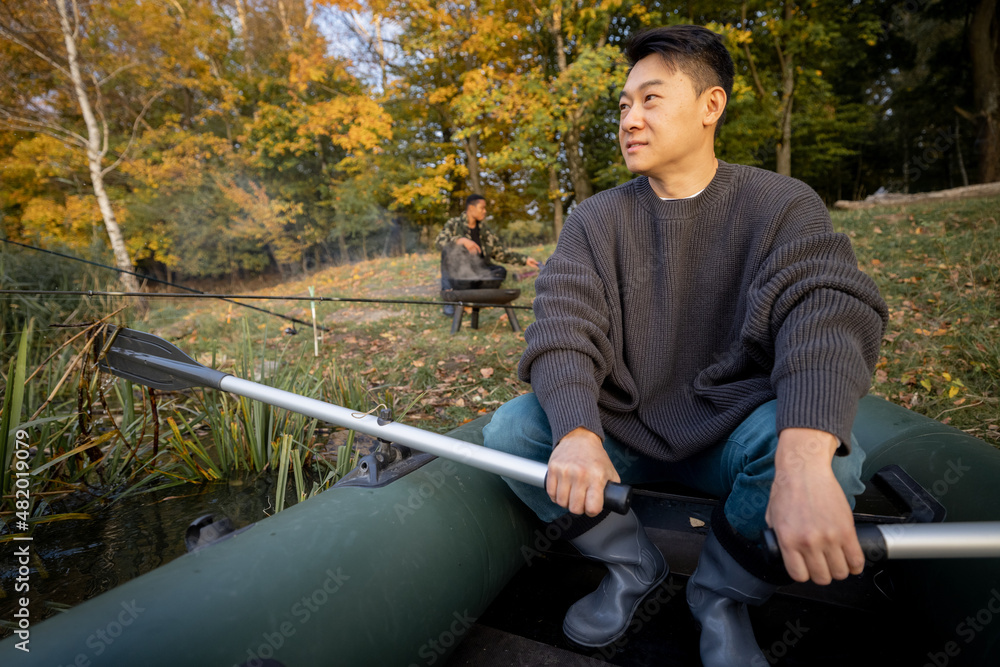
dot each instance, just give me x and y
(226, 297)
(155, 280)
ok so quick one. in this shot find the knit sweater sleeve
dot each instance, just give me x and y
(451, 232)
(568, 351)
(818, 319)
(495, 250)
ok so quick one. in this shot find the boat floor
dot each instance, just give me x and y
(851, 622)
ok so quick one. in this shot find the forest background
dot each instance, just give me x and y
(225, 138)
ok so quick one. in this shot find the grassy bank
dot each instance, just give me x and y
(938, 266)
(401, 351)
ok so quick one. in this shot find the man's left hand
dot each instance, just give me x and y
(533, 263)
(809, 511)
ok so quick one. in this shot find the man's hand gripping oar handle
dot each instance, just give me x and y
(974, 539)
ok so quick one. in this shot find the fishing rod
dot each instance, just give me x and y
(226, 297)
(153, 362)
(144, 277)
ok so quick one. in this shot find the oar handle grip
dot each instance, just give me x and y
(617, 497)
(869, 536)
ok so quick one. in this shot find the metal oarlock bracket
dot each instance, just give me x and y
(387, 463)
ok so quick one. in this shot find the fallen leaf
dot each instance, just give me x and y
(486, 372)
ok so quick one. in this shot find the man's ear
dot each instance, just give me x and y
(715, 104)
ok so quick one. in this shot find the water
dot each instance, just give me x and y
(73, 561)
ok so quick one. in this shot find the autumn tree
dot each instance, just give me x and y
(278, 131)
(70, 39)
(513, 86)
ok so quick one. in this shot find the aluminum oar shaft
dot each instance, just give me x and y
(899, 541)
(980, 539)
(616, 496)
(490, 460)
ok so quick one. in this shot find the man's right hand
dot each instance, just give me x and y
(469, 245)
(579, 469)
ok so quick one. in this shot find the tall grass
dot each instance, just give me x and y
(67, 454)
(216, 435)
(13, 402)
(96, 437)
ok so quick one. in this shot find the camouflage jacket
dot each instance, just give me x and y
(493, 250)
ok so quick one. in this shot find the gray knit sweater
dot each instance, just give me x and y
(666, 323)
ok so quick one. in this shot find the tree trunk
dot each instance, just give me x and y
(906, 161)
(574, 118)
(241, 17)
(784, 158)
(984, 44)
(472, 162)
(556, 197)
(575, 161)
(342, 242)
(95, 155)
(286, 27)
(958, 153)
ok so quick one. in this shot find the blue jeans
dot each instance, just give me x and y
(446, 285)
(740, 469)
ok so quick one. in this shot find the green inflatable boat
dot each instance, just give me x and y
(422, 560)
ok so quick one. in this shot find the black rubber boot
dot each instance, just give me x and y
(718, 593)
(635, 568)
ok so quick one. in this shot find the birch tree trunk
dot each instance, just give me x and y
(96, 149)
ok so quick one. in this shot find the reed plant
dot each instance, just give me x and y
(71, 449)
(215, 435)
(13, 403)
(95, 437)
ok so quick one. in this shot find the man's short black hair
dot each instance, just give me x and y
(472, 199)
(696, 51)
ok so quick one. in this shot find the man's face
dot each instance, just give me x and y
(477, 211)
(661, 118)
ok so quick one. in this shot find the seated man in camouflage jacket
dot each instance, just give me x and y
(469, 248)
